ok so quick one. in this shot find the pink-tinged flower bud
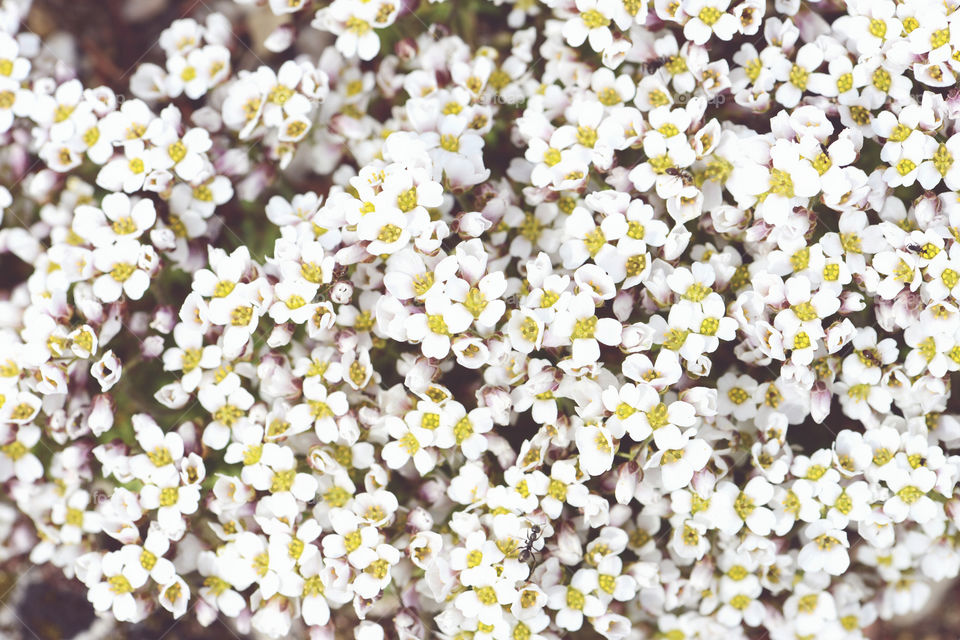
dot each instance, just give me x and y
(254, 184)
(406, 49)
(279, 337)
(190, 434)
(729, 219)
(885, 315)
(628, 475)
(164, 319)
(770, 288)
(677, 241)
(501, 448)
(952, 507)
(192, 469)
(432, 492)
(275, 378)
(637, 337)
(88, 304)
(341, 292)
(839, 334)
(851, 302)
(419, 519)
(472, 224)
(368, 630)
(623, 305)
(163, 239)
(928, 211)
(233, 162)
(325, 632)
(158, 181)
(820, 402)
(704, 400)
(498, 400)
(569, 551)
(107, 370)
(151, 347)
(18, 157)
(172, 396)
(906, 309)
(100, 419)
(757, 232)
(279, 39)
(206, 614)
(53, 380)
(375, 478)
(57, 427)
(703, 481)
(114, 322)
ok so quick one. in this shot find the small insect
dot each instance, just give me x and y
(913, 247)
(683, 174)
(527, 551)
(652, 66)
(869, 356)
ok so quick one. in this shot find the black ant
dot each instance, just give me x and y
(652, 66)
(914, 247)
(527, 551)
(870, 356)
(683, 174)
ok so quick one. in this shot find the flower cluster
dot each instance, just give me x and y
(636, 318)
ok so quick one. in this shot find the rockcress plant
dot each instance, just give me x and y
(317, 343)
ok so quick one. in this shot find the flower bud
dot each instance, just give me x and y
(341, 292)
(100, 419)
(498, 400)
(151, 347)
(107, 370)
(628, 475)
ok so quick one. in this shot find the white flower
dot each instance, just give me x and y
(796, 74)
(579, 325)
(115, 592)
(678, 464)
(746, 506)
(441, 320)
(16, 458)
(596, 448)
(122, 265)
(353, 25)
(375, 570)
(409, 442)
(172, 501)
(576, 600)
(227, 404)
(184, 155)
(190, 355)
(709, 17)
(826, 549)
(147, 560)
(321, 408)
(592, 22)
(128, 172)
(910, 488)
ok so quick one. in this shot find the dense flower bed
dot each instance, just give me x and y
(490, 320)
